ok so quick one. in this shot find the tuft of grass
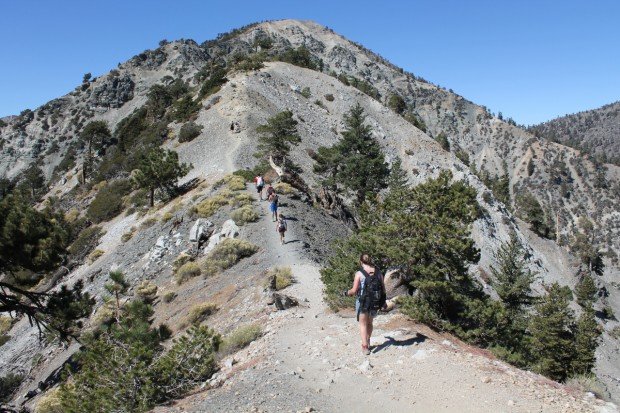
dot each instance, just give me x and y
(199, 313)
(95, 255)
(283, 275)
(50, 402)
(169, 296)
(149, 222)
(212, 204)
(181, 259)
(147, 291)
(187, 271)
(233, 182)
(167, 216)
(226, 254)
(5, 324)
(244, 215)
(240, 338)
(589, 383)
(284, 188)
(72, 215)
(128, 235)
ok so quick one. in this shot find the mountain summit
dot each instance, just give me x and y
(138, 166)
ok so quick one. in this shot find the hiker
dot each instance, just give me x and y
(369, 287)
(260, 183)
(273, 206)
(270, 190)
(281, 228)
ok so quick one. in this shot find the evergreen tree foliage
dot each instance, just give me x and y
(125, 368)
(587, 334)
(530, 210)
(160, 169)
(397, 104)
(95, 134)
(512, 278)
(398, 179)
(552, 339)
(34, 180)
(396, 230)
(442, 139)
(589, 255)
(356, 164)
(585, 290)
(300, 57)
(277, 136)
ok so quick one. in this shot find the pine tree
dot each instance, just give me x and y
(34, 180)
(587, 333)
(585, 290)
(356, 163)
(552, 339)
(512, 278)
(117, 286)
(425, 231)
(398, 179)
(95, 134)
(277, 136)
(160, 169)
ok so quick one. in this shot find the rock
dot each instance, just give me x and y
(228, 363)
(395, 283)
(511, 403)
(308, 409)
(284, 302)
(230, 229)
(365, 366)
(197, 231)
(161, 242)
(486, 379)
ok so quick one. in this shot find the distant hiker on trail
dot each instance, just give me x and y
(281, 228)
(270, 190)
(260, 183)
(369, 287)
(273, 206)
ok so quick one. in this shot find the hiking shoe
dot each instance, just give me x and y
(365, 351)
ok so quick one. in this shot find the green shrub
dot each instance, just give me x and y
(86, 241)
(244, 215)
(185, 108)
(226, 254)
(284, 188)
(249, 174)
(305, 92)
(4, 338)
(199, 313)
(8, 385)
(240, 338)
(189, 131)
(108, 203)
(187, 271)
(128, 235)
(251, 62)
(329, 97)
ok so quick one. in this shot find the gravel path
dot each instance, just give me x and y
(310, 360)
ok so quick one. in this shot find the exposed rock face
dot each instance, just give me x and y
(284, 302)
(114, 92)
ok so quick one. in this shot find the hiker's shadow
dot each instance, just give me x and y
(391, 341)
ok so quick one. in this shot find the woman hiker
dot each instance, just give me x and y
(281, 227)
(369, 287)
(273, 206)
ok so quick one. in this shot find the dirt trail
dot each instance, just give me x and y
(310, 360)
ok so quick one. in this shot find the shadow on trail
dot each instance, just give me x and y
(390, 341)
(292, 241)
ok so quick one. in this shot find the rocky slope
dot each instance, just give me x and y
(49, 133)
(596, 131)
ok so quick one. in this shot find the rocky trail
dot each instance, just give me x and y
(310, 359)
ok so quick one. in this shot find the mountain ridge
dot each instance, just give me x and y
(258, 94)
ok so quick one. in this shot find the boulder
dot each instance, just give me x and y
(284, 302)
(230, 229)
(395, 283)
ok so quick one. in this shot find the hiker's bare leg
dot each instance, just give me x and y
(364, 329)
(369, 328)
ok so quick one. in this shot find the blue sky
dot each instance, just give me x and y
(531, 60)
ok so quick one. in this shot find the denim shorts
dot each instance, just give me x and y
(373, 313)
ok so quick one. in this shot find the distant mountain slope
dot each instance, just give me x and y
(596, 131)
